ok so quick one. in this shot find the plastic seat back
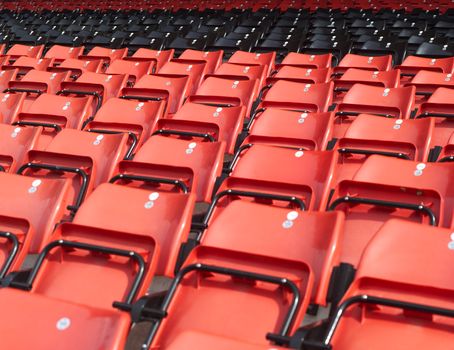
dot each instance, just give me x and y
(308, 61)
(248, 58)
(212, 58)
(60, 53)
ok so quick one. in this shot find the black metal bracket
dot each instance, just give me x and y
(149, 179)
(140, 98)
(11, 254)
(446, 159)
(283, 282)
(29, 91)
(390, 204)
(28, 284)
(84, 176)
(54, 126)
(236, 157)
(371, 152)
(131, 135)
(252, 118)
(204, 136)
(83, 93)
(434, 114)
(355, 114)
(367, 299)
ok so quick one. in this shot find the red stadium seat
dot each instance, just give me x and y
(133, 70)
(387, 102)
(30, 210)
(252, 72)
(171, 88)
(307, 61)
(213, 59)
(18, 50)
(392, 304)
(249, 58)
(158, 56)
(298, 96)
(87, 159)
(254, 169)
(76, 67)
(195, 70)
(310, 131)
(105, 54)
(10, 106)
(54, 113)
(352, 76)
(15, 142)
(24, 64)
(184, 162)
(136, 118)
(374, 63)
(6, 76)
(303, 75)
(413, 64)
(414, 191)
(368, 134)
(223, 123)
(145, 210)
(60, 53)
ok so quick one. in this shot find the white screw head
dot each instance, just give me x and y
(63, 323)
(153, 196)
(192, 145)
(292, 215)
(421, 166)
(299, 154)
(36, 183)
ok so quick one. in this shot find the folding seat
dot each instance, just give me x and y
(352, 76)
(227, 91)
(54, 113)
(254, 169)
(35, 83)
(28, 214)
(377, 63)
(249, 284)
(391, 304)
(439, 106)
(433, 50)
(186, 162)
(18, 50)
(24, 64)
(413, 64)
(298, 96)
(426, 82)
(15, 142)
(101, 86)
(86, 158)
(213, 59)
(386, 102)
(336, 47)
(303, 75)
(368, 134)
(133, 70)
(161, 57)
(413, 191)
(105, 54)
(383, 47)
(174, 89)
(251, 72)
(145, 211)
(250, 58)
(60, 53)
(76, 67)
(10, 106)
(137, 119)
(309, 131)
(195, 70)
(223, 123)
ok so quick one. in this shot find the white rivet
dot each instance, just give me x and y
(63, 323)
(418, 172)
(421, 166)
(168, 83)
(299, 154)
(287, 224)
(17, 130)
(399, 121)
(36, 183)
(303, 115)
(99, 137)
(219, 109)
(189, 150)
(301, 120)
(192, 145)
(149, 204)
(452, 236)
(153, 196)
(292, 215)
(32, 189)
(451, 245)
